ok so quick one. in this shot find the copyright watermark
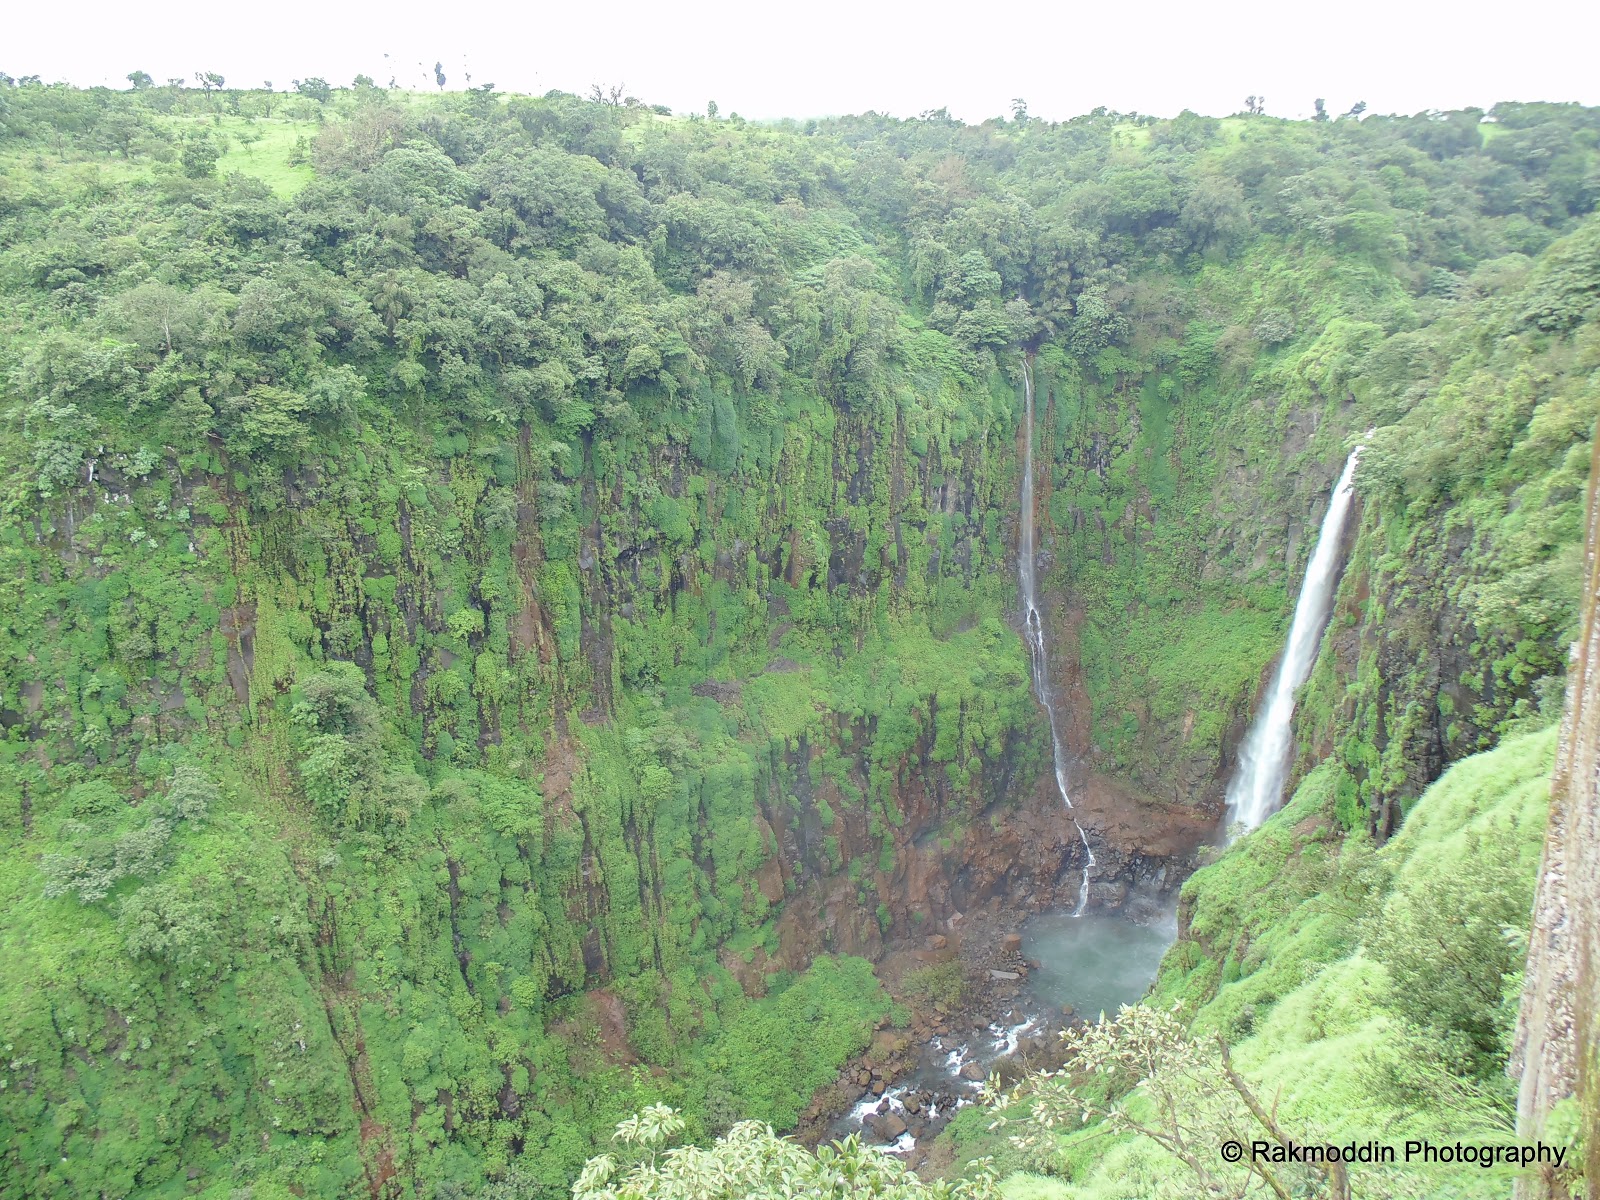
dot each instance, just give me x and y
(1442, 1153)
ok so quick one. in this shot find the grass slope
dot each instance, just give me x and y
(271, 159)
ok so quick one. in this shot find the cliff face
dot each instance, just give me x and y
(1177, 550)
(1017, 855)
(1558, 1029)
(666, 717)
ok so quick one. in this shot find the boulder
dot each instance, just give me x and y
(892, 1127)
(973, 1071)
(886, 1043)
(1011, 944)
(1004, 975)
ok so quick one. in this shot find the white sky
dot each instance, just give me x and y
(822, 57)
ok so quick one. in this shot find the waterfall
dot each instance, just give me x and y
(1033, 631)
(1256, 789)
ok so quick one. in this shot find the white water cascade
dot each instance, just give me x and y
(1256, 789)
(1033, 631)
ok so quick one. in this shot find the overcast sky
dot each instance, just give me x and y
(822, 57)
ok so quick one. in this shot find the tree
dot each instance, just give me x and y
(481, 98)
(209, 82)
(156, 316)
(438, 74)
(140, 80)
(1448, 944)
(316, 87)
(391, 301)
(1255, 105)
(1215, 212)
(169, 920)
(199, 156)
(1321, 107)
(727, 333)
(1019, 111)
(60, 435)
(751, 1160)
(1356, 109)
(123, 126)
(1149, 1076)
(191, 794)
(856, 328)
(711, 109)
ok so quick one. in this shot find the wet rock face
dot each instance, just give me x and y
(1020, 854)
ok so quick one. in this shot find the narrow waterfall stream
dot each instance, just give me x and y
(1256, 790)
(1033, 630)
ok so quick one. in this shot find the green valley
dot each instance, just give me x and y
(511, 628)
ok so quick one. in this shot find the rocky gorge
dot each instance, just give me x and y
(517, 617)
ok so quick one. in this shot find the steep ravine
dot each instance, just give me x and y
(1016, 850)
(1003, 841)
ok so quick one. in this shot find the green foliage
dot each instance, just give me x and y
(452, 546)
(939, 983)
(1450, 948)
(1298, 892)
(831, 1010)
(750, 1160)
(199, 156)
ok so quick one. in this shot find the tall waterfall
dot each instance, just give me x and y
(1033, 631)
(1256, 789)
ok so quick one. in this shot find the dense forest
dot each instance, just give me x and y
(509, 616)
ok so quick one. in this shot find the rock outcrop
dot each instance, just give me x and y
(1016, 857)
(1558, 1030)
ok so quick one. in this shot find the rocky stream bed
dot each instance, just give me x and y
(1024, 980)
